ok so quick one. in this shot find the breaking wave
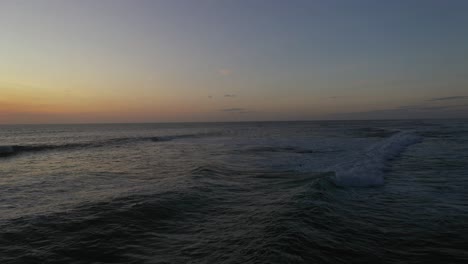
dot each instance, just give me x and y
(367, 169)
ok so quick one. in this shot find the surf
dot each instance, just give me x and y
(367, 169)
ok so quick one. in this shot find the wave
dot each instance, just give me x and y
(367, 169)
(290, 149)
(11, 150)
(374, 132)
(6, 150)
(174, 137)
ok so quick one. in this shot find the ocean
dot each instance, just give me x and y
(250, 192)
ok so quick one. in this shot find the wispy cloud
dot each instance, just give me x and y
(225, 72)
(426, 107)
(233, 109)
(409, 111)
(236, 110)
(435, 108)
(449, 98)
(230, 95)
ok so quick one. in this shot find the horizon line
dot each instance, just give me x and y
(214, 122)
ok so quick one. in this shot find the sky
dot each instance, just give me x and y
(88, 61)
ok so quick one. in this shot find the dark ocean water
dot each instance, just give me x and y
(267, 192)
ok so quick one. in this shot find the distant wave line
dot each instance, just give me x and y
(11, 150)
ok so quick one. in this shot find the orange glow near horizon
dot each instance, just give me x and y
(27, 104)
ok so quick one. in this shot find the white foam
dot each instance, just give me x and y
(367, 169)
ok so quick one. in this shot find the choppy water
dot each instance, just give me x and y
(279, 192)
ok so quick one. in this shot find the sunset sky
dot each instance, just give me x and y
(84, 61)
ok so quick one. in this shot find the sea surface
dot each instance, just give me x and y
(254, 192)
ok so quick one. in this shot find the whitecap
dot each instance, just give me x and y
(367, 169)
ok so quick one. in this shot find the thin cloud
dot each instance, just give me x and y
(435, 108)
(237, 110)
(425, 108)
(449, 98)
(225, 72)
(409, 111)
(233, 109)
(230, 95)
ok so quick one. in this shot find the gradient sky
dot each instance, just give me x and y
(83, 61)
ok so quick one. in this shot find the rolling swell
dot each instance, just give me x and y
(12, 150)
(202, 219)
(100, 231)
(290, 149)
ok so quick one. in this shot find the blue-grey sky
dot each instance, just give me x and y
(230, 60)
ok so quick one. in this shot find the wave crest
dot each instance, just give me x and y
(367, 169)
(6, 151)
